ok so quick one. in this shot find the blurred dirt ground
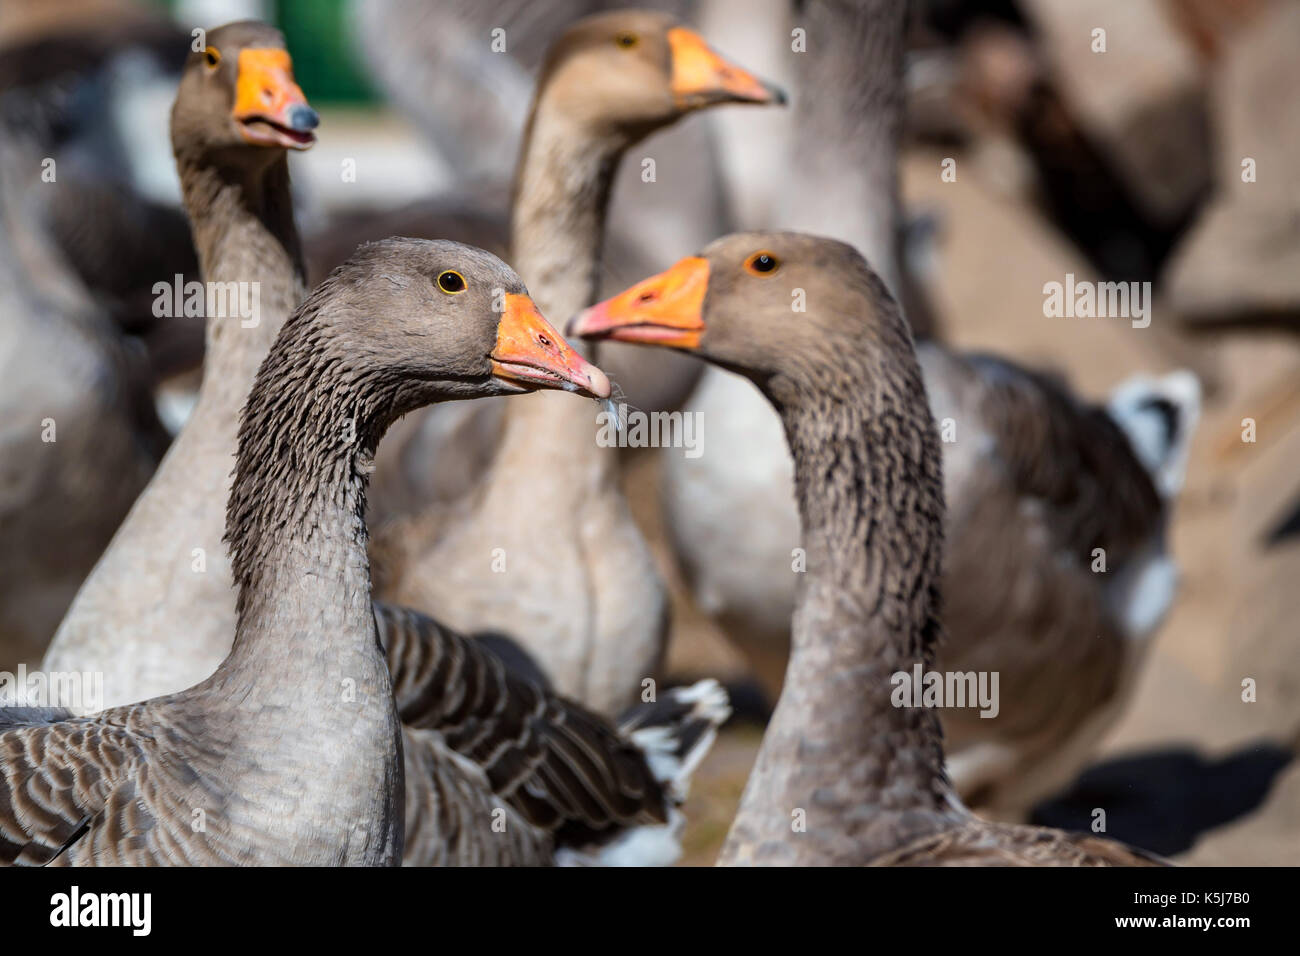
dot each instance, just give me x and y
(1238, 611)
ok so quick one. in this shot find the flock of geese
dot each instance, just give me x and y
(287, 707)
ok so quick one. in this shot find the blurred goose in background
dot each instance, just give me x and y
(1057, 570)
(88, 91)
(157, 612)
(80, 437)
(861, 770)
(463, 70)
(303, 705)
(579, 588)
(1030, 461)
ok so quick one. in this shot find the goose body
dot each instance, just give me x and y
(575, 582)
(1056, 565)
(501, 770)
(859, 773)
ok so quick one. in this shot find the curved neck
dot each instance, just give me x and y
(869, 488)
(557, 226)
(295, 522)
(561, 196)
(251, 261)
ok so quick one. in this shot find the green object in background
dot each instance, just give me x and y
(317, 33)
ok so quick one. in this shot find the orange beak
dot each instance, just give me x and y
(269, 106)
(667, 309)
(701, 77)
(531, 354)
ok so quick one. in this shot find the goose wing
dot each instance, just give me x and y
(60, 777)
(1070, 456)
(559, 767)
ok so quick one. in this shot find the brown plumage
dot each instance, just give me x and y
(1056, 479)
(865, 777)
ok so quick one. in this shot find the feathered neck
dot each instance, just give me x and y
(241, 217)
(870, 494)
(561, 194)
(295, 522)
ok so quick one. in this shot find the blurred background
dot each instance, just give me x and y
(1174, 159)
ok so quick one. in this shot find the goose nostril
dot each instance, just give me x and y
(544, 341)
(646, 297)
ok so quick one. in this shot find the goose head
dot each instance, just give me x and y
(629, 72)
(238, 99)
(773, 306)
(432, 320)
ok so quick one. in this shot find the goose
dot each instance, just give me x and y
(1019, 574)
(848, 102)
(848, 772)
(576, 583)
(157, 612)
(292, 751)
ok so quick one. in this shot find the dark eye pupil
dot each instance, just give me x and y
(450, 282)
(764, 263)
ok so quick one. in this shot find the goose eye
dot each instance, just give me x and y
(451, 282)
(213, 55)
(761, 263)
(626, 40)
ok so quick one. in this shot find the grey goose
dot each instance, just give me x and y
(864, 776)
(1036, 477)
(292, 751)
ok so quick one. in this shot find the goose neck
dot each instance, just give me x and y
(870, 497)
(562, 191)
(295, 523)
(561, 195)
(251, 261)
